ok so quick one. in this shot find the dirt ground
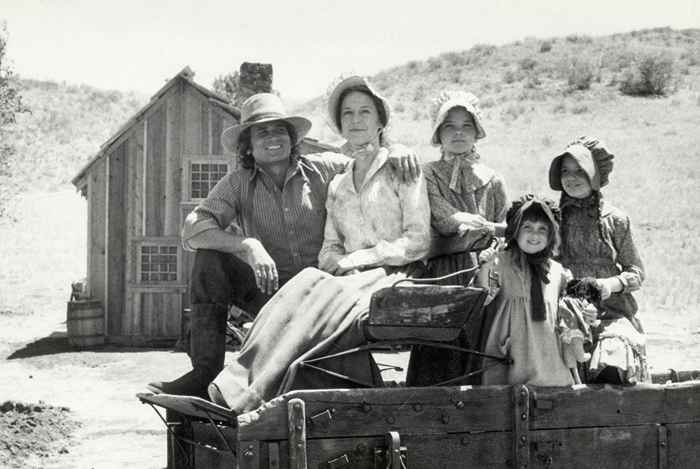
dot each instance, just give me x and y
(64, 408)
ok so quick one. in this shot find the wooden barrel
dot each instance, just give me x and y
(85, 323)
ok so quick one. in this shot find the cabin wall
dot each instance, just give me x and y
(139, 194)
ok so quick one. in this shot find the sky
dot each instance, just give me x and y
(137, 45)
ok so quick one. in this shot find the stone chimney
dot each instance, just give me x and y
(254, 78)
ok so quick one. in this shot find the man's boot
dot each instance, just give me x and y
(207, 350)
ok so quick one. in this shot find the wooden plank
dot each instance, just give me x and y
(626, 447)
(144, 191)
(155, 183)
(97, 246)
(192, 125)
(90, 202)
(449, 451)
(369, 412)
(632, 405)
(117, 235)
(683, 445)
(205, 136)
(296, 425)
(172, 163)
(215, 134)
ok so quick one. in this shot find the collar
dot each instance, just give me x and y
(379, 161)
(464, 175)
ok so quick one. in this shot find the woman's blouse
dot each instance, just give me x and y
(480, 191)
(602, 251)
(383, 222)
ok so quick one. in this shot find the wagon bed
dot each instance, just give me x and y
(643, 426)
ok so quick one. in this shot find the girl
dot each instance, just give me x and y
(524, 284)
(468, 200)
(597, 246)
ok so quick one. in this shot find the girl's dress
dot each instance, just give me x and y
(606, 249)
(533, 345)
(456, 186)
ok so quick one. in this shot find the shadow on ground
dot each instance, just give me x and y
(57, 343)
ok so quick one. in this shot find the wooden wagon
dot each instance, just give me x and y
(643, 426)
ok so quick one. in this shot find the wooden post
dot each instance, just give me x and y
(521, 425)
(296, 413)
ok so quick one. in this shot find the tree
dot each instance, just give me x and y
(10, 105)
(228, 85)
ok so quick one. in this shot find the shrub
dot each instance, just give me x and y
(559, 108)
(527, 64)
(399, 107)
(579, 39)
(546, 46)
(487, 103)
(650, 74)
(580, 72)
(579, 109)
(510, 76)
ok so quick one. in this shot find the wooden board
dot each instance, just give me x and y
(155, 173)
(362, 412)
(117, 236)
(97, 222)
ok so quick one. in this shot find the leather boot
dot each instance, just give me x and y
(207, 351)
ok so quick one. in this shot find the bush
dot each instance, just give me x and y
(579, 39)
(650, 74)
(579, 109)
(580, 73)
(546, 46)
(527, 64)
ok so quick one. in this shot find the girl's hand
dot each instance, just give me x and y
(264, 267)
(590, 315)
(470, 221)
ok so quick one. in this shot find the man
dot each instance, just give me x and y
(277, 202)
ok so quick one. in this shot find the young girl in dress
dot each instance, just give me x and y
(525, 284)
(598, 248)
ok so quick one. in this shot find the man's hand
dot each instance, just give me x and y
(264, 267)
(404, 161)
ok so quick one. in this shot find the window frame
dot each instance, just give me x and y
(187, 173)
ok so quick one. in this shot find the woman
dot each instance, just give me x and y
(374, 220)
(467, 198)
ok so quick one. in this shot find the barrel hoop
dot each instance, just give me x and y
(101, 316)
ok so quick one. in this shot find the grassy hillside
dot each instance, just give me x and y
(65, 127)
(532, 110)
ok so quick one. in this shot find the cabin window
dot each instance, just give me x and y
(158, 263)
(204, 176)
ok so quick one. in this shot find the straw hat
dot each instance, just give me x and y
(258, 109)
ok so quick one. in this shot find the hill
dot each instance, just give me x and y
(65, 127)
(531, 111)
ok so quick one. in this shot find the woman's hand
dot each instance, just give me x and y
(344, 266)
(264, 267)
(405, 162)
